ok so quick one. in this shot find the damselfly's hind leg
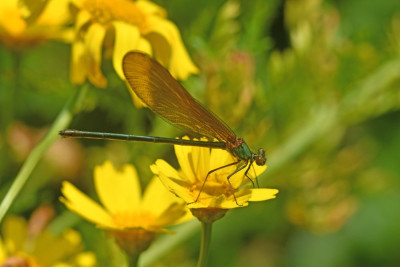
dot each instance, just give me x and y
(208, 174)
(255, 175)
(233, 173)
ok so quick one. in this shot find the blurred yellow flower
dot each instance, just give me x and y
(20, 246)
(217, 193)
(24, 24)
(131, 218)
(122, 26)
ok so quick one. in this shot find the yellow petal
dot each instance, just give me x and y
(242, 197)
(183, 153)
(50, 248)
(233, 204)
(178, 189)
(161, 166)
(187, 217)
(62, 264)
(196, 205)
(66, 35)
(3, 251)
(171, 180)
(79, 64)
(181, 64)
(157, 198)
(86, 259)
(55, 13)
(200, 161)
(78, 3)
(171, 215)
(126, 39)
(168, 47)
(82, 18)
(220, 202)
(79, 68)
(144, 46)
(261, 194)
(162, 50)
(119, 191)
(220, 157)
(78, 202)
(11, 18)
(8, 4)
(93, 50)
(238, 178)
(150, 8)
(15, 233)
(254, 170)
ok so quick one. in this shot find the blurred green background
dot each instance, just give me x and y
(314, 82)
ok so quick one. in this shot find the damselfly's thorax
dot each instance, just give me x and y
(242, 151)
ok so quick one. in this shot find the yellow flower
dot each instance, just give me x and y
(122, 26)
(24, 24)
(131, 218)
(20, 247)
(217, 195)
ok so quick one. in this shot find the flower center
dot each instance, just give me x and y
(106, 11)
(133, 220)
(214, 189)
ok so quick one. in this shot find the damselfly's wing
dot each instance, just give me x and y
(155, 86)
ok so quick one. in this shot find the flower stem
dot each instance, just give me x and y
(133, 259)
(62, 121)
(205, 244)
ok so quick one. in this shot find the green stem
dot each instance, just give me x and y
(62, 121)
(166, 243)
(205, 244)
(360, 103)
(133, 260)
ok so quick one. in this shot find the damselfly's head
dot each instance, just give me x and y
(260, 158)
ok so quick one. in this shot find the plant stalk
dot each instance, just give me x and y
(61, 122)
(205, 244)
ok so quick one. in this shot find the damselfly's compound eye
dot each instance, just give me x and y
(260, 157)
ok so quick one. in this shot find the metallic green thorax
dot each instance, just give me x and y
(242, 151)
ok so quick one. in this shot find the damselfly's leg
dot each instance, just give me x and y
(255, 174)
(210, 172)
(233, 173)
(246, 173)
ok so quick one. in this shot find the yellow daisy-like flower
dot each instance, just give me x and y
(20, 247)
(24, 24)
(122, 26)
(216, 194)
(131, 218)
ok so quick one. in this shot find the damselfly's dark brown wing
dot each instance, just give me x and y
(155, 86)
